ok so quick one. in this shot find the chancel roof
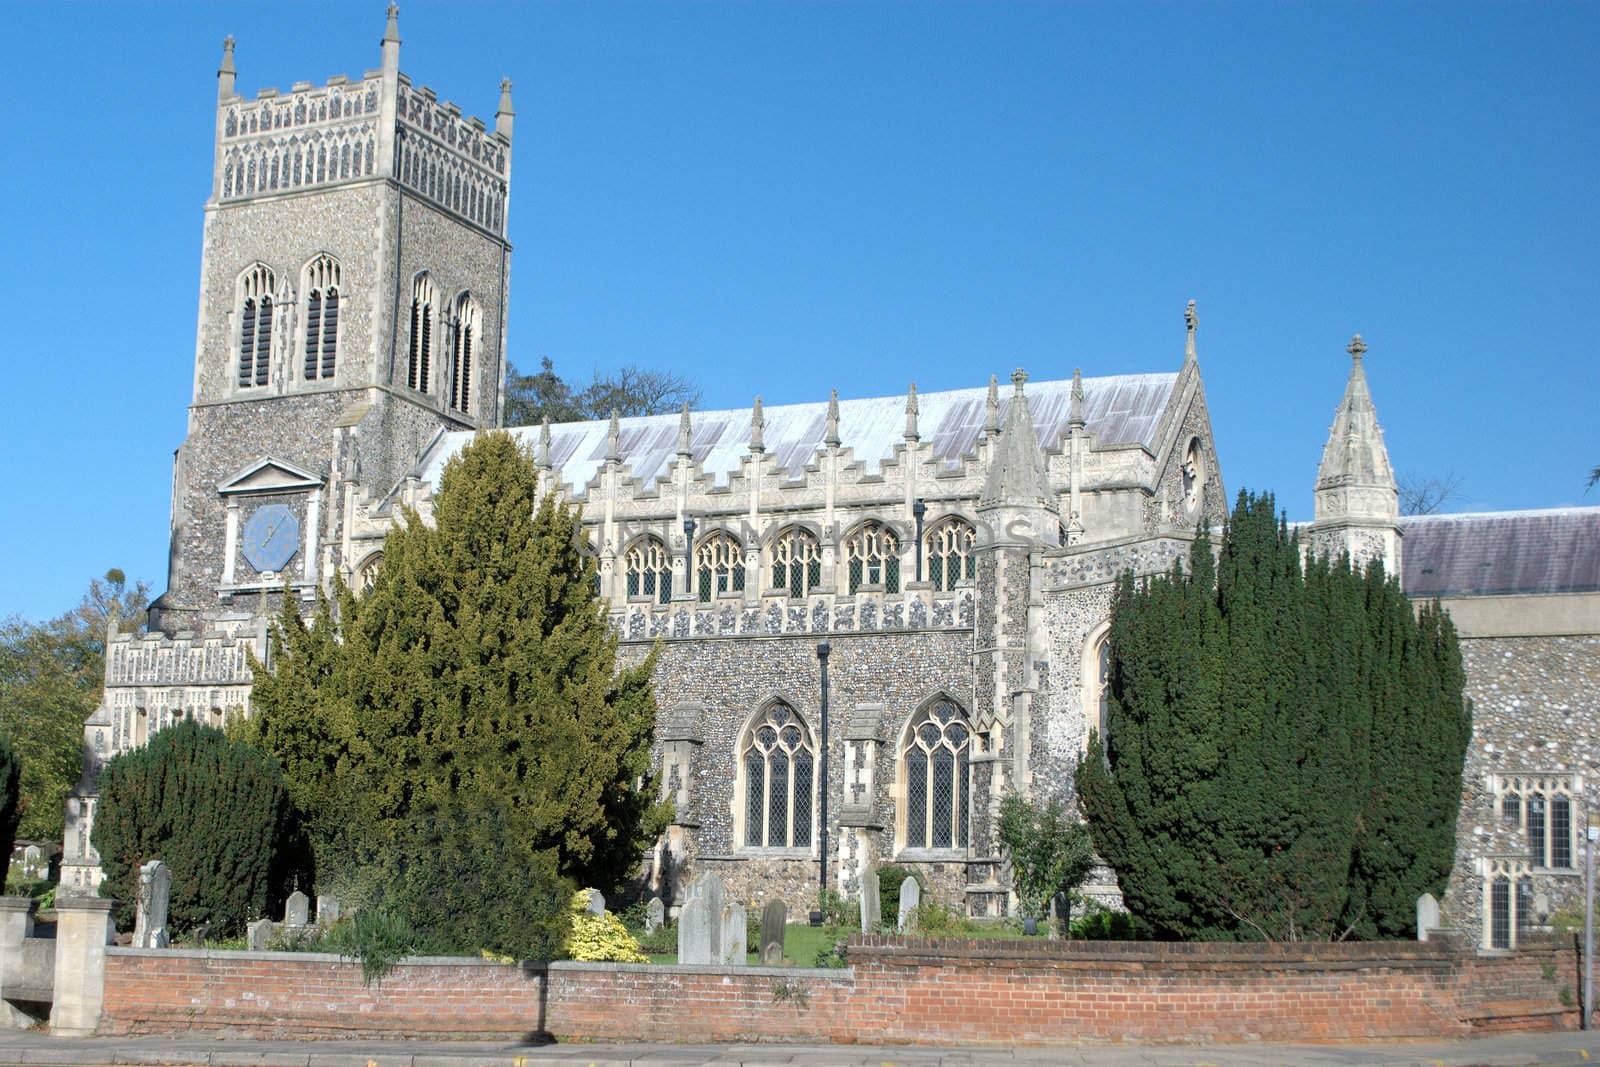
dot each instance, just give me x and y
(1556, 550)
(1119, 409)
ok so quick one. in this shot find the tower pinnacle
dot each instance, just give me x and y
(504, 116)
(831, 436)
(391, 41)
(225, 73)
(1191, 321)
(1357, 501)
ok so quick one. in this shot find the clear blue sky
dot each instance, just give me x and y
(785, 198)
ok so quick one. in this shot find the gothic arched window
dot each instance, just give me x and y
(776, 762)
(424, 320)
(948, 549)
(934, 756)
(796, 561)
(463, 353)
(649, 570)
(255, 326)
(718, 565)
(1096, 681)
(872, 554)
(367, 573)
(321, 285)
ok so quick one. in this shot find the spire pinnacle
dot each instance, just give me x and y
(544, 443)
(1075, 418)
(831, 437)
(614, 440)
(758, 424)
(391, 32)
(1191, 320)
(1019, 378)
(912, 410)
(1016, 477)
(225, 72)
(391, 42)
(1357, 348)
(1355, 454)
(684, 432)
(504, 115)
(991, 415)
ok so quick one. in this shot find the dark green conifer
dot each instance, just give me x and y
(10, 799)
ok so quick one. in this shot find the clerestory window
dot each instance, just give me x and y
(796, 561)
(776, 762)
(321, 286)
(871, 553)
(649, 570)
(255, 326)
(718, 566)
(949, 551)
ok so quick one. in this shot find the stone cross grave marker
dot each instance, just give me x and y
(597, 903)
(910, 899)
(258, 934)
(150, 925)
(297, 909)
(774, 919)
(1427, 915)
(733, 935)
(695, 932)
(655, 914)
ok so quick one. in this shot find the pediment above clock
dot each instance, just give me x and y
(268, 475)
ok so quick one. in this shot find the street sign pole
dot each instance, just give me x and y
(1588, 925)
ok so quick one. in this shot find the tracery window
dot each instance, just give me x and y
(649, 570)
(1541, 805)
(949, 549)
(322, 317)
(1508, 908)
(368, 572)
(872, 555)
(466, 335)
(796, 561)
(718, 566)
(935, 757)
(255, 326)
(776, 762)
(424, 321)
(1096, 681)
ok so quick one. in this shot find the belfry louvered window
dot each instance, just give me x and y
(255, 327)
(935, 755)
(796, 561)
(777, 762)
(462, 354)
(322, 317)
(718, 566)
(951, 560)
(649, 570)
(424, 316)
(872, 554)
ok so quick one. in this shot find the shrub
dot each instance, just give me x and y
(890, 879)
(1100, 923)
(600, 938)
(214, 810)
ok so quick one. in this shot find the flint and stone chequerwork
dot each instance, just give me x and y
(956, 549)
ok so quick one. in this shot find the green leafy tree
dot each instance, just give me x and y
(1050, 851)
(214, 810)
(1285, 744)
(52, 675)
(633, 390)
(10, 798)
(472, 694)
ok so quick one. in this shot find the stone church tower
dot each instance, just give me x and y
(352, 312)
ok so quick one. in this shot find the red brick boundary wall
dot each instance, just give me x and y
(896, 990)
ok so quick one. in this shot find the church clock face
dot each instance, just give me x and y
(271, 536)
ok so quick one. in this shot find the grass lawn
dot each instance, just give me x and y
(802, 942)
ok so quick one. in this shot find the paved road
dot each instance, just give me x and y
(29, 1047)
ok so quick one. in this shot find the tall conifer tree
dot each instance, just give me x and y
(1285, 744)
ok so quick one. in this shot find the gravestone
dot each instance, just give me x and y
(910, 899)
(774, 920)
(258, 934)
(1427, 915)
(654, 915)
(709, 888)
(31, 860)
(597, 902)
(150, 925)
(697, 932)
(297, 910)
(733, 936)
(871, 909)
(327, 910)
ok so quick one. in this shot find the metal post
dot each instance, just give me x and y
(1588, 924)
(919, 509)
(688, 558)
(823, 648)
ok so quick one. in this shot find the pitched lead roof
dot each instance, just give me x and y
(1556, 550)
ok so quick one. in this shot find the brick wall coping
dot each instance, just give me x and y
(891, 949)
(276, 956)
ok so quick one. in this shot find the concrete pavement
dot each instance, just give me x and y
(32, 1047)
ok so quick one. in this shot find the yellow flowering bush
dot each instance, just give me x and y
(600, 938)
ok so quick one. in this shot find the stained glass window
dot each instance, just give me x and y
(938, 783)
(778, 759)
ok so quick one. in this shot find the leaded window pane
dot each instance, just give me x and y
(649, 570)
(964, 803)
(948, 548)
(796, 562)
(1524, 905)
(1536, 829)
(1560, 832)
(802, 799)
(916, 800)
(777, 799)
(755, 769)
(1511, 808)
(871, 554)
(719, 566)
(1500, 913)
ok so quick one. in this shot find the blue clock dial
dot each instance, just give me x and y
(271, 537)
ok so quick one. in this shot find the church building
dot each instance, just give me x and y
(920, 582)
